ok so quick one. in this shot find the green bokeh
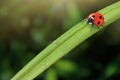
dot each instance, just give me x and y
(28, 26)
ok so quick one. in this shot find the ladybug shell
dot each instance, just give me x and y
(98, 18)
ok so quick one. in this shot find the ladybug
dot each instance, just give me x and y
(96, 19)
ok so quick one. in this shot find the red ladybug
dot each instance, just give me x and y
(96, 19)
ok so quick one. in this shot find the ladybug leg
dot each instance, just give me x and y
(87, 21)
(102, 26)
(84, 20)
(91, 26)
(99, 28)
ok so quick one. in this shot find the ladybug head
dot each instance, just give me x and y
(90, 20)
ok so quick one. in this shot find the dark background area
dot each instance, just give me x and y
(28, 26)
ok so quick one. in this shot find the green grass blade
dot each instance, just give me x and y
(65, 43)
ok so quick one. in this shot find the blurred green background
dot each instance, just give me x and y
(28, 26)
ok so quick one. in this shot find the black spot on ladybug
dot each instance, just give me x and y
(93, 16)
(100, 17)
(98, 22)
